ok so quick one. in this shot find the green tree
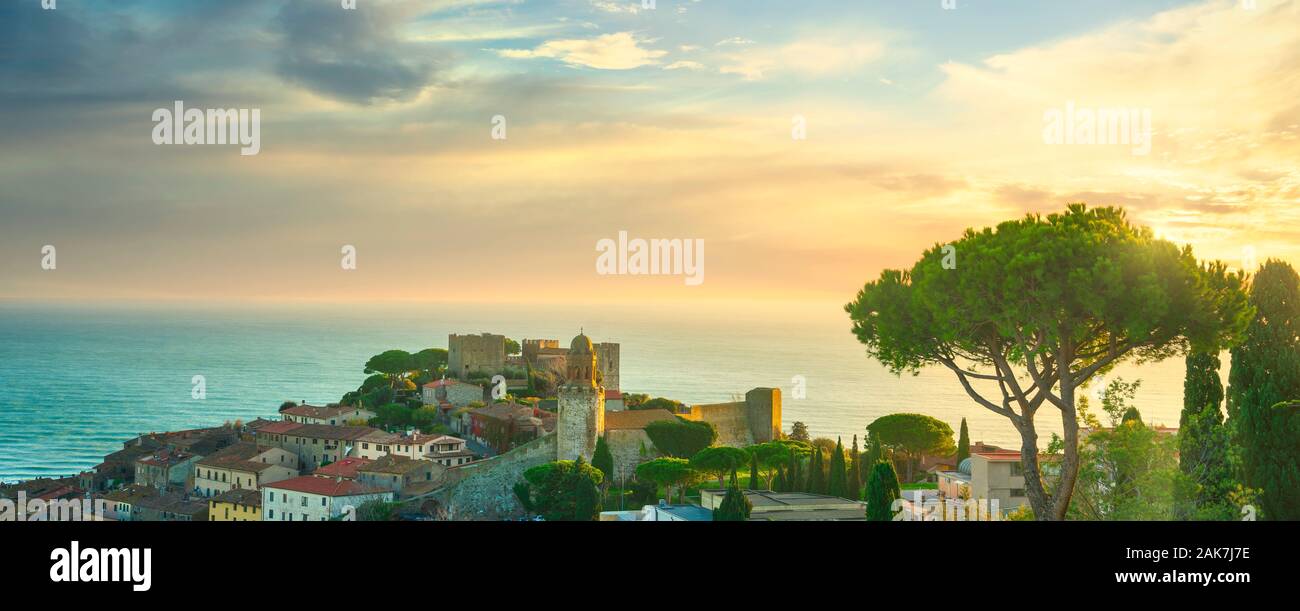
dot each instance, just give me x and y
(1266, 373)
(681, 438)
(799, 432)
(719, 461)
(393, 364)
(838, 477)
(963, 443)
(512, 346)
(1129, 472)
(431, 360)
(912, 436)
(882, 490)
(854, 483)
(1036, 308)
(817, 473)
(768, 456)
(564, 490)
(670, 473)
(753, 472)
(603, 460)
(1203, 443)
(734, 506)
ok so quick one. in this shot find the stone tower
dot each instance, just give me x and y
(581, 403)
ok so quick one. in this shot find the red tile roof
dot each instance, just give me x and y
(999, 455)
(324, 486)
(613, 395)
(344, 467)
(277, 428)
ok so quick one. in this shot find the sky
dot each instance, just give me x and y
(808, 145)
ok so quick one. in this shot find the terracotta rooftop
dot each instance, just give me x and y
(635, 419)
(277, 428)
(316, 411)
(240, 496)
(344, 467)
(393, 464)
(323, 486)
(239, 456)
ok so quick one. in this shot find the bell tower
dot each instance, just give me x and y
(581, 403)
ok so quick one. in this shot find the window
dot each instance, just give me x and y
(304, 501)
(270, 513)
(322, 501)
(1017, 469)
(1017, 492)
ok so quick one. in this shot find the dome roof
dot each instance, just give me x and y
(581, 345)
(964, 466)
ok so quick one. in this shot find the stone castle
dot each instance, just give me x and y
(582, 417)
(486, 353)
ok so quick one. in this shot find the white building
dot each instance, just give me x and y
(316, 499)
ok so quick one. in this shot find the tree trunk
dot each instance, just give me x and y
(1038, 498)
(1070, 465)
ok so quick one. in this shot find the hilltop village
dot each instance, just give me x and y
(439, 435)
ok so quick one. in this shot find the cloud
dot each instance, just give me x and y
(354, 56)
(811, 57)
(619, 51)
(684, 64)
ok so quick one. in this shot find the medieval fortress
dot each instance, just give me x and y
(591, 376)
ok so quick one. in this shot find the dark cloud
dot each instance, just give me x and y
(351, 55)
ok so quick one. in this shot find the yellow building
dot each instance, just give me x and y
(238, 505)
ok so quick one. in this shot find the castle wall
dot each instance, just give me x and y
(626, 446)
(484, 490)
(473, 353)
(757, 419)
(731, 420)
(607, 363)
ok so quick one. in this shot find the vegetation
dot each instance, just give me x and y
(1265, 375)
(719, 461)
(564, 490)
(669, 473)
(963, 443)
(799, 432)
(854, 484)
(837, 479)
(1040, 305)
(734, 507)
(681, 438)
(603, 460)
(1204, 443)
(910, 436)
(882, 490)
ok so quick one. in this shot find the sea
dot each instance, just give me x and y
(77, 380)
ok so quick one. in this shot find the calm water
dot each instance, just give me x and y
(77, 381)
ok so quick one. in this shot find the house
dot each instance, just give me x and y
(451, 391)
(165, 468)
(171, 507)
(393, 472)
(614, 401)
(443, 449)
(988, 476)
(331, 415)
(123, 504)
(769, 506)
(503, 425)
(314, 499)
(345, 468)
(237, 505)
(243, 465)
(314, 443)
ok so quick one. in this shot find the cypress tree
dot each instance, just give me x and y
(753, 473)
(854, 484)
(963, 444)
(1265, 373)
(1202, 451)
(778, 483)
(817, 478)
(874, 450)
(836, 481)
(792, 473)
(734, 507)
(602, 459)
(882, 489)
